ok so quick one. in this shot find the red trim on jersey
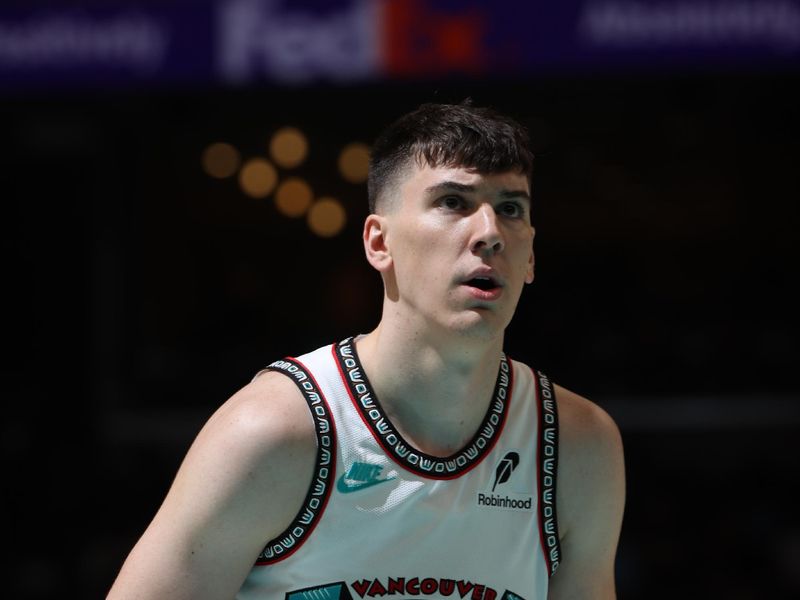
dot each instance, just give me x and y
(333, 450)
(487, 450)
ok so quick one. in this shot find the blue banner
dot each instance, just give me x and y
(241, 42)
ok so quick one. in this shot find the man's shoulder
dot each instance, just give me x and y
(240, 485)
(591, 463)
(267, 419)
(581, 420)
(590, 498)
(271, 414)
(271, 402)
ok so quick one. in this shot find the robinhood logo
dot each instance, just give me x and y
(514, 498)
(505, 468)
(497, 501)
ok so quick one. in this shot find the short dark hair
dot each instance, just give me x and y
(451, 135)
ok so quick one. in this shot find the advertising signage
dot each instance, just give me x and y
(245, 42)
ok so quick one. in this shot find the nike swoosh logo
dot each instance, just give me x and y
(345, 488)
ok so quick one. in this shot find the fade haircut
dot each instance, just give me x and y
(447, 135)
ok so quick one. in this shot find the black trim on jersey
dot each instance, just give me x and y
(548, 469)
(324, 469)
(416, 461)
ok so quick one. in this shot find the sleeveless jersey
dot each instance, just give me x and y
(382, 518)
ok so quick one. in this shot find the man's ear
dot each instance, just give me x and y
(375, 246)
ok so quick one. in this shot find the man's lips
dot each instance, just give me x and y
(483, 285)
(484, 295)
(483, 279)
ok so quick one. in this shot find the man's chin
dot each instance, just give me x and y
(479, 323)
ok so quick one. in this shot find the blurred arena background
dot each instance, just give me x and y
(182, 188)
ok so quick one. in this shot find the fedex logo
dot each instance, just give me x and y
(258, 38)
(356, 40)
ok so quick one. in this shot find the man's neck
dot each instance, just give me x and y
(436, 392)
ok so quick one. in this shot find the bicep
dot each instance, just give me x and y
(228, 499)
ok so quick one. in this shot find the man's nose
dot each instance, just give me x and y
(486, 237)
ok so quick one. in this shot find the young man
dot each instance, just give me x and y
(416, 460)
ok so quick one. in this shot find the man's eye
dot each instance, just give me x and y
(511, 209)
(452, 202)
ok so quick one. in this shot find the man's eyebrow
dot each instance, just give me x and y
(449, 186)
(454, 186)
(509, 194)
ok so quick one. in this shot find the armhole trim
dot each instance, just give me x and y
(319, 491)
(547, 469)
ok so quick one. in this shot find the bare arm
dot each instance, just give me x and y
(230, 497)
(590, 500)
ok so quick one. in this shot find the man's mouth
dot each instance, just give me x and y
(483, 283)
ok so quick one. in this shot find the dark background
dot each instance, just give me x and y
(140, 293)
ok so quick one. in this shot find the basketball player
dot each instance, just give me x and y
(418, 460)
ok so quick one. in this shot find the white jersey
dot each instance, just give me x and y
(384, 519)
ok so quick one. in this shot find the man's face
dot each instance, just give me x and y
(460, 246)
